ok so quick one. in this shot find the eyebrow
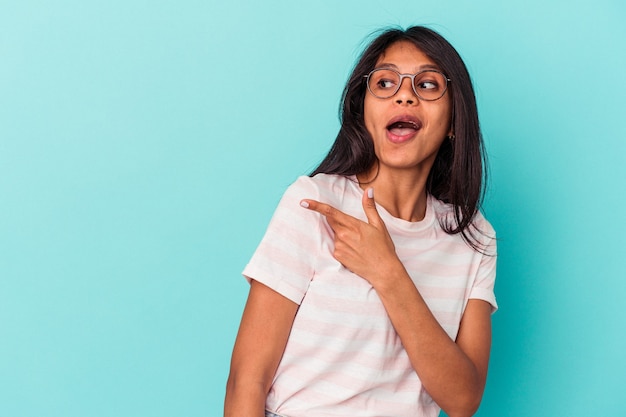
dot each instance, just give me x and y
(420, 68)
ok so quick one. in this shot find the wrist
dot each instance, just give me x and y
(389, 276)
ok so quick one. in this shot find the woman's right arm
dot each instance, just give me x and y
(265, 326)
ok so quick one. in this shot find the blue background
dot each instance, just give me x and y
(145, 144)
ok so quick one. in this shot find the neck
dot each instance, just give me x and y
(401, 192)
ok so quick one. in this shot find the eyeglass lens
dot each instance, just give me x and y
(428, 85)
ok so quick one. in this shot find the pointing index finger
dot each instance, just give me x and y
(326, 210)
(321, 208)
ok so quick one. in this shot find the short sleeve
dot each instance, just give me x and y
(483, 288)
(284, 260)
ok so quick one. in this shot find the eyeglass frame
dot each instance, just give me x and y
(409, 76)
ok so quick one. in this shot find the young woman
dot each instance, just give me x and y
(372, 290)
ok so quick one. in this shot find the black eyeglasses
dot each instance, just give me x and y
(428, 85)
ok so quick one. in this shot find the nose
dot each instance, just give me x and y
(406, 93)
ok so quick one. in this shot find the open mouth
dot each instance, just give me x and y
(404, 127)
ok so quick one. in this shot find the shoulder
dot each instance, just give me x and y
(445, 211)
(484, 233)
(324, 181)
(323, 186)
(481, 228)
(482, 224)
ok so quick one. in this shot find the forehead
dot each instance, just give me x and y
(405, 55)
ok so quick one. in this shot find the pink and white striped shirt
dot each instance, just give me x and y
(343, 357)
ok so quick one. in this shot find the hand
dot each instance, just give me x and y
(364, 248)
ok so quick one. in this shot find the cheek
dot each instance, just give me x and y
(369, 115)
(448, 112)
(443, 118)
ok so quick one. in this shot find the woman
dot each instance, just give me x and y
(372, 290)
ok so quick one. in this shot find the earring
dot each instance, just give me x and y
(451, 137)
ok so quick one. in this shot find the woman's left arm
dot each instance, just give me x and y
(452, 372)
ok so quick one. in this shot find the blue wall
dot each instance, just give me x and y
(144, 145)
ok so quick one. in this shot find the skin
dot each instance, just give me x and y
(452, 371)
(402, 170)
(260, 343)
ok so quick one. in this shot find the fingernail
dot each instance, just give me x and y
(370, 192)
(304, 204)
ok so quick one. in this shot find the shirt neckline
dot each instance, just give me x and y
(396, 223)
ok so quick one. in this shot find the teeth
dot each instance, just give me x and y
(402, 125)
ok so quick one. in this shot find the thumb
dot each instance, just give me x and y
(369, 207)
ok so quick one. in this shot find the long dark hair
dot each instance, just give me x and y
(459, 171)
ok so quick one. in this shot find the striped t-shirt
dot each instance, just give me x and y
(343, 356)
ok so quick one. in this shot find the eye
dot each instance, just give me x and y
(428, 85)
(383, 80)
(430, 82)
(385, 83)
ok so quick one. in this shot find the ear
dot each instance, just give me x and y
(450, 134)
(451, 131)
